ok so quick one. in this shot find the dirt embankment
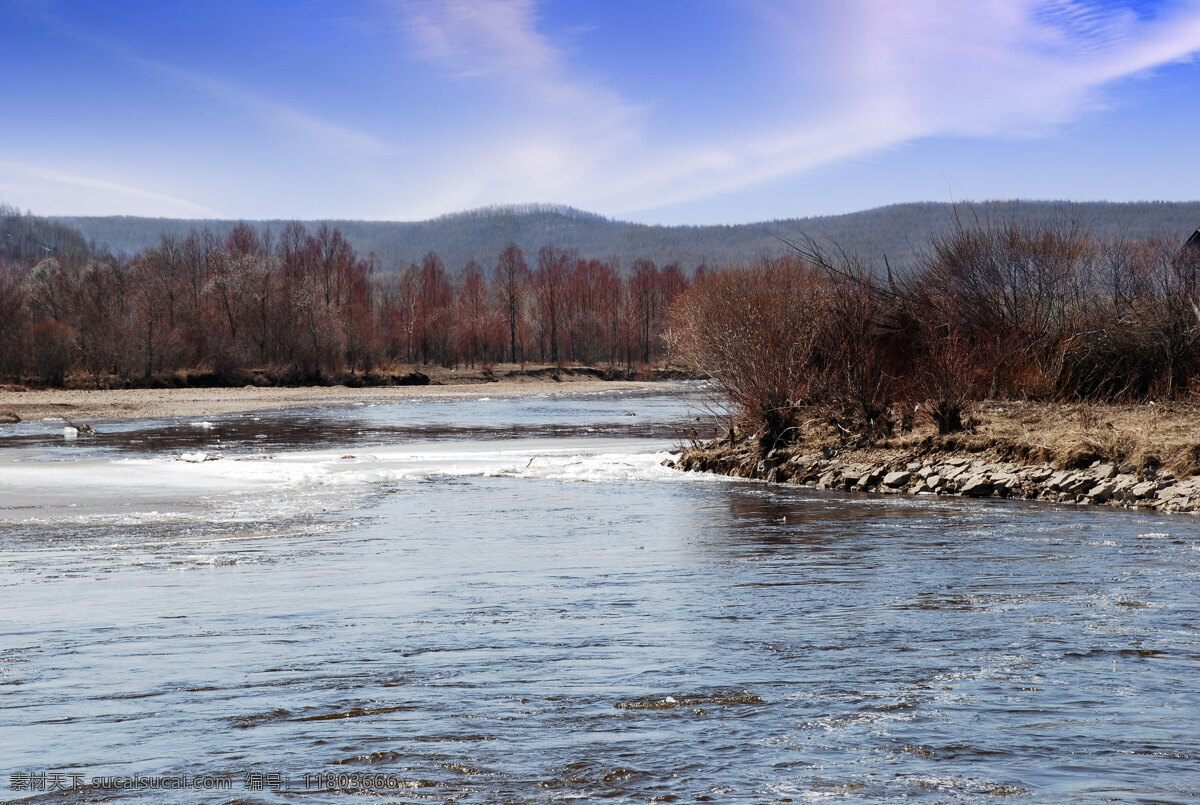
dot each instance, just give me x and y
(1135, 456)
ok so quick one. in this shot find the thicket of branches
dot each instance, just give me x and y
(305, 306)
(1001, 311)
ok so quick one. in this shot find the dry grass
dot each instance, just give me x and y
(1133, 437)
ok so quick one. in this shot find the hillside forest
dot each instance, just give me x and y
(307, 307)
(899, 231)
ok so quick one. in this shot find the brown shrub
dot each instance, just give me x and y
(949, 375)
(860, 356)
(753, 331)
(53, 348)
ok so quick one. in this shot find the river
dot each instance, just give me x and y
(511, 600)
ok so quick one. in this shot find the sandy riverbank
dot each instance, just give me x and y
(91, 405)
(1133, 456)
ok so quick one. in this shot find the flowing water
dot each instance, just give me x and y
(512, 601)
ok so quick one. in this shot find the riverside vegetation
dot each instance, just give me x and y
(1016, 361)
(298, 307)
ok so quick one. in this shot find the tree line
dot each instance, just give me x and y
(990, 311)
(305, 306)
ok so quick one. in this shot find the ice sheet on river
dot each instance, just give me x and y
(227, 487)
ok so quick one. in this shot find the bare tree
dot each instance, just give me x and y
(550, 285)
(511, 279)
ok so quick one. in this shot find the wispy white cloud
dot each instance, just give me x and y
(163, 204)
(929, 68)
(575, 125)
(898, 72)
(480, 37)
(507, 103)
(282, 116)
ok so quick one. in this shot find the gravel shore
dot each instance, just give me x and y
(82, 405)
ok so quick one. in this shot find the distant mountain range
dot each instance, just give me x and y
(899, 231)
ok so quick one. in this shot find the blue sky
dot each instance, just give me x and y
(707, 111)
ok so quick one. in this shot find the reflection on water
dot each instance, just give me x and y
(605, 628)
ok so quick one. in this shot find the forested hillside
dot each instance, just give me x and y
(897, 231)
(28, 237)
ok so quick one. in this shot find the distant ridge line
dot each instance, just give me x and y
(897, 230)
(522, 209)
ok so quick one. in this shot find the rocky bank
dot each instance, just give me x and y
(965, 475)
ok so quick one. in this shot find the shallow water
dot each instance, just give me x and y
(534, 612)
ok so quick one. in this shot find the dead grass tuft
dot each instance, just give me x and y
(1133, 438)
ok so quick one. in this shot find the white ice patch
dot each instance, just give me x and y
(194, 486)
(198, 456)
(607, 461)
